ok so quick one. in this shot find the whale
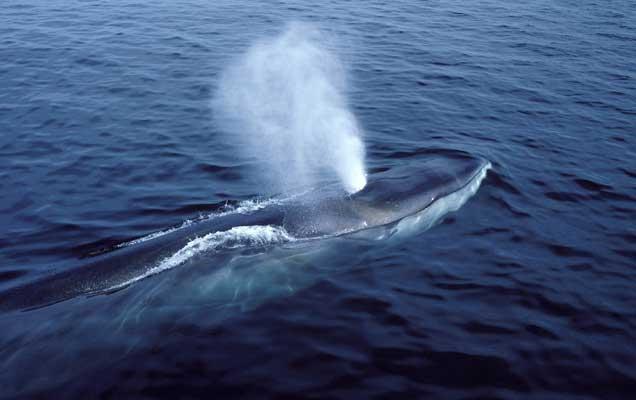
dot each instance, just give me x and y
(393, 197)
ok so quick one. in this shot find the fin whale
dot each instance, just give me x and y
(389, 197)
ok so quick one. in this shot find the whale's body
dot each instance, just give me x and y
(388, 198)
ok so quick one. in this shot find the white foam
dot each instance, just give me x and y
(155, 234)
(244, 207)
(236, 237)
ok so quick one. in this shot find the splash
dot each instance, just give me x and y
(283, 104)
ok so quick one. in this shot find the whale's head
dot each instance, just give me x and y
(391, 194)
(412, 186)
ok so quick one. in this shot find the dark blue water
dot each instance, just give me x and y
(107, 134)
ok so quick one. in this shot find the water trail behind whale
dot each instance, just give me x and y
(283, 104)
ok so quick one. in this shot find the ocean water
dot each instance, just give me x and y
(107, 134)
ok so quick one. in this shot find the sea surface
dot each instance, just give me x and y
(107, 134)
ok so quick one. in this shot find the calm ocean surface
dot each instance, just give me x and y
(107, 134)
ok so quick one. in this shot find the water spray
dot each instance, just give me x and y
(282, 103)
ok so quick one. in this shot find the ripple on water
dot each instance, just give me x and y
(107, 136)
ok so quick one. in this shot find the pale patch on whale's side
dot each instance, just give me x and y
(432, 214)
